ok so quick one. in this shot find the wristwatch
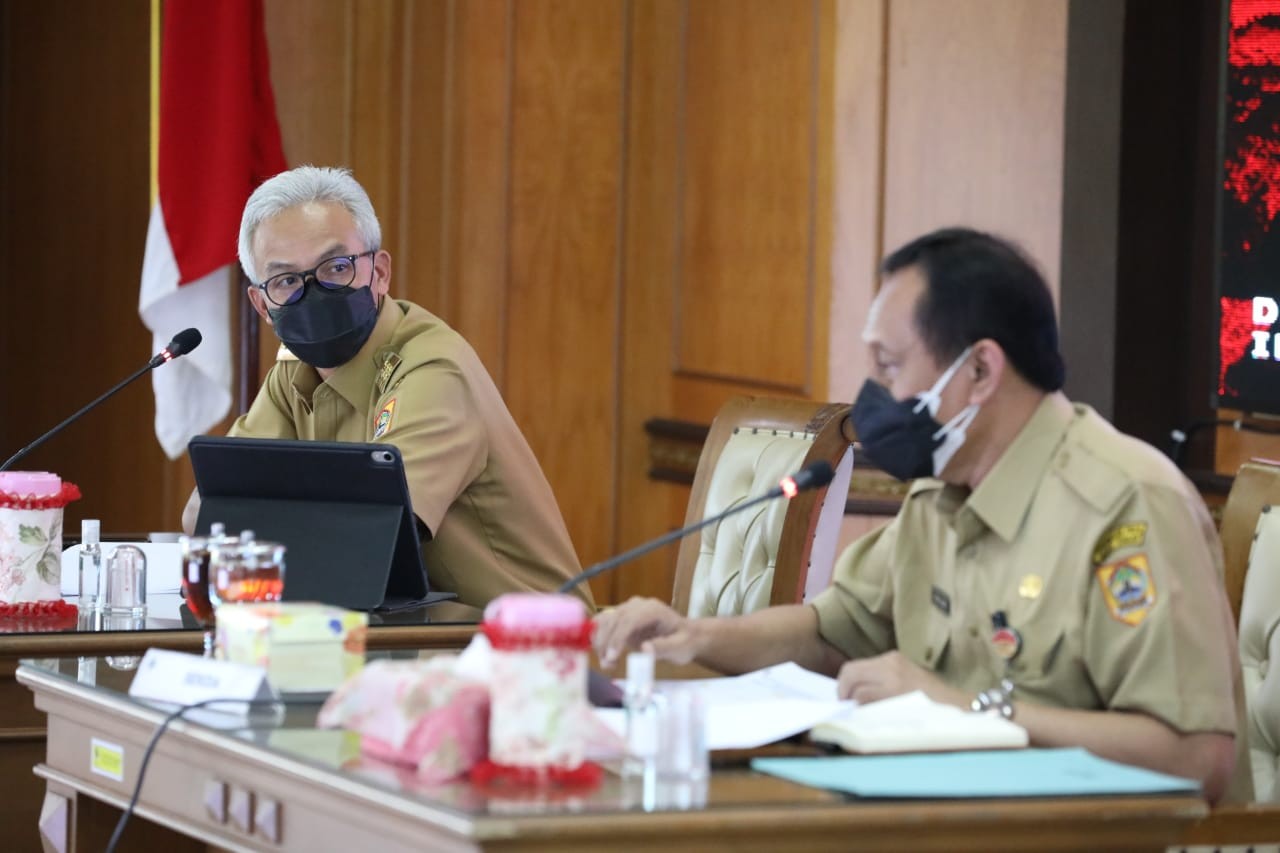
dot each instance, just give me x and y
(997, 699)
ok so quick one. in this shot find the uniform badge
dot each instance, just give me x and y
(383, 421)
(389, 365)
(1128, 588)
(1131, 535)
(1005, 640)
(1030, 587)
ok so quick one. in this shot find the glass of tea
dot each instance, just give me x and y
(255, 572)
(197, 586)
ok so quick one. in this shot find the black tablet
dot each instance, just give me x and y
(342, 510)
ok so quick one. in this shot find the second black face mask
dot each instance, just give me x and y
(903, 437)
(897, 435)
(327, 328)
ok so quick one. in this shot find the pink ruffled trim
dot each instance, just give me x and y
(32, 616)
(491, 775)
(514, 639)
(68, 493)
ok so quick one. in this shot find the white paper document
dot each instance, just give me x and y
(747, 711)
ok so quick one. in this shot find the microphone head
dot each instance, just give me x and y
(815, 475)
(184, 342)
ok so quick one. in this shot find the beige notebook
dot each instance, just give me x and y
(915, 723)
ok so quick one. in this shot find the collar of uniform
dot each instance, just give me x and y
(1004, 495)
(354, 379)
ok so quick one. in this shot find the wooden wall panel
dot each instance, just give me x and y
(562, 315)
(74, 196)
(419, 122)
(311, 54)
(749, 107)
(857, 204)
(373, 121)
(728, 230)
(476, 175)
(647, 508)
(974, 120)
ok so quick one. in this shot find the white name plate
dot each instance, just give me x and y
(183, 679)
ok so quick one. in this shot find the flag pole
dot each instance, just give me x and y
(155, 103)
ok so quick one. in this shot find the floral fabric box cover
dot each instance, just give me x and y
(31, 505)
(415, 714)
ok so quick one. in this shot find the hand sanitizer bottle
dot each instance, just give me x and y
(643, 718)
(90, 565)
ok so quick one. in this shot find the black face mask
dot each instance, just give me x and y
(903, 437)
(327, 328)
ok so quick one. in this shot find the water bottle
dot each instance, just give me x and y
(90, 565)
(643, 717)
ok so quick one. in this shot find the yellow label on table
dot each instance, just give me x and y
(106, 759)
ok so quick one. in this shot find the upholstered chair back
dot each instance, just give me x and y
(1260, 653)
(781, 551)
(1256, 485)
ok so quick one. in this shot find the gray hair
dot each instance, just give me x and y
(299, 186)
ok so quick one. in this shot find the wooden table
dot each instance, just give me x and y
(309, 791)
(22, 727)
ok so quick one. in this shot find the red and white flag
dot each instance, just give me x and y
(217, 139)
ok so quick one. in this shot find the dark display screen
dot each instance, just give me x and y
(1249, 263)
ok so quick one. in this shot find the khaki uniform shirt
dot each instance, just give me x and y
(473, 479)
(1093, 549)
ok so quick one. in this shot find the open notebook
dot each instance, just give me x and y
(747, 711)
(913, 722)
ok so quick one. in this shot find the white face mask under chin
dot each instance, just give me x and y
(952, 434)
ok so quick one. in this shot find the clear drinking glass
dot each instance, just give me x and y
(124, 587)
(197, 586)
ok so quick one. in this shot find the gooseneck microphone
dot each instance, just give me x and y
(182, 343)
(813, 476)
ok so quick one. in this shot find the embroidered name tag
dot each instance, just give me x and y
(941, 600)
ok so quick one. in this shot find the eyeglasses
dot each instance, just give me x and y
(335, 273)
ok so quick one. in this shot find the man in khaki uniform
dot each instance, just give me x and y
(1044, 565)
(362, 367)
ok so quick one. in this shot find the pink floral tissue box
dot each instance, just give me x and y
(418, 714)
(31, 504)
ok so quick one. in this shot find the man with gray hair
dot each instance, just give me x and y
(359, 366)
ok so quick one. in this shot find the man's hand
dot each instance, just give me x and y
(643, 622)
(892, 674)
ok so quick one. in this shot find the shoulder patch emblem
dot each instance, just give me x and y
(1128, 589)
(1131, 535)
(383, 422)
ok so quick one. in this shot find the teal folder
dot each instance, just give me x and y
(993, 773)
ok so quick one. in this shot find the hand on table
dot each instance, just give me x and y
(643, 623)
(892, 674)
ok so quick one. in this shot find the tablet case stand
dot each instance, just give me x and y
(337, 553)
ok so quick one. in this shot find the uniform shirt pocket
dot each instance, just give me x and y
(1050, 669)
(927, 642)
